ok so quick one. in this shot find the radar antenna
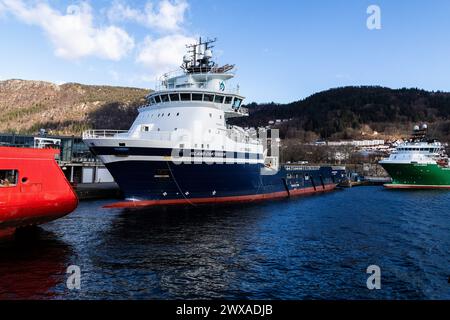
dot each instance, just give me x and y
(199, 58)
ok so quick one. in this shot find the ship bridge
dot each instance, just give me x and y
(200, 81)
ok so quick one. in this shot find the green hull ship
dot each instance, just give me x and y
(418, 163)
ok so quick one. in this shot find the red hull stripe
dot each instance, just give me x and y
(415, 186)
(247, 198)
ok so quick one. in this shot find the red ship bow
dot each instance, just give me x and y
(33, 189)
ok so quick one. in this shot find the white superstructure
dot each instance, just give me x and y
(417, 150)
(188, 111)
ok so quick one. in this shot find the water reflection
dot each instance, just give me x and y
(182, 253)
(32, 265)
(312, 247)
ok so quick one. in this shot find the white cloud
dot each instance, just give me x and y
(73, 34)
(163, 54)
(167, 17)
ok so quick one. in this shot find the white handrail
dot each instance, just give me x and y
(106, 133)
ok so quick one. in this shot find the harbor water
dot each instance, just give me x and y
(315, 247)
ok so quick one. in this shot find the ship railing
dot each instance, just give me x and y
(294, 167)
(199, 85)
(182, 72)
(89, 134)
(242, 110)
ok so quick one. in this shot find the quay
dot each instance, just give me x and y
(88, 176)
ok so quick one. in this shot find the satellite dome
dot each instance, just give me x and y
(186, 59)
(424, 126)
(416, 128)
(208, 54)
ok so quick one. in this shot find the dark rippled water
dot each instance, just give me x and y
(314, 247)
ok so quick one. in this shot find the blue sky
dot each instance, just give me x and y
(284, 50)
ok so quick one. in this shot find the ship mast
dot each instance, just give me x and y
(199, 58)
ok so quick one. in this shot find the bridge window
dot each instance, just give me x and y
(174, 97)
(8, 178)
(158, 99)
(152, 100)
(228, 100)
(219, 99)
(237, 103)
(185, 96)
(208, 97)
(197, 97)
(165, 98)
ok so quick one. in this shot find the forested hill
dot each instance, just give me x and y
(341, 113)
(350, 112)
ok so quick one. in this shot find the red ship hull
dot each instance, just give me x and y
(39, 192)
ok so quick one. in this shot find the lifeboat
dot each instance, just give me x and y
(33, 189)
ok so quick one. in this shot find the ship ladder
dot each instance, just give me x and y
(313, 184)
(286, 186)
(321, 181)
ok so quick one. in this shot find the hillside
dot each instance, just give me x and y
(356, 112)
(340, 113)
(27, 106)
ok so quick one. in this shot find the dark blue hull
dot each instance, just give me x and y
(163, 181)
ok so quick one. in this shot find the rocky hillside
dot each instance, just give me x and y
(27, 106)
(340, 113)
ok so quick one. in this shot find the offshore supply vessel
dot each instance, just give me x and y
(418, 163)
(180, 149)
(33, 189)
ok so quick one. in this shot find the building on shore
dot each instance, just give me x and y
(76, 161)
